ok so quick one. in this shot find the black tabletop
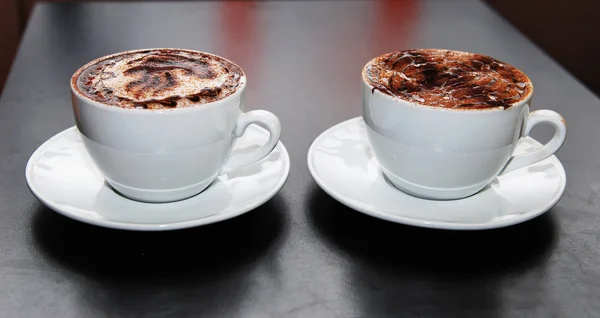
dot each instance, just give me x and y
(302, 254)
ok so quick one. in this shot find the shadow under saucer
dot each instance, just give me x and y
(398, 268)
(421, 249)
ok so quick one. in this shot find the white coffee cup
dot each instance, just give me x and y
(171, 154)
(444, 153)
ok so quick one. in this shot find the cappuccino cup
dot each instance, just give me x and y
(443, 124)
(160, 123)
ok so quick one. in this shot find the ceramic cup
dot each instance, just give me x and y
(170, 154)
(444, 153)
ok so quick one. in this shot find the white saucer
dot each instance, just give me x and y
(342, 163)
(61, 174)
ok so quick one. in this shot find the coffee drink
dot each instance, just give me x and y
(181, 140)
(443, 124)
(158, 79)
(449, 79)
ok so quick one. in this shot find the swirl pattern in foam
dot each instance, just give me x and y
(450, 79)
(158, 79)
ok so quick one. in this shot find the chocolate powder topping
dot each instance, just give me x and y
(448, 79)
(161, 78)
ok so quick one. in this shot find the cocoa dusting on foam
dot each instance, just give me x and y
(449, 79)
(158, 79)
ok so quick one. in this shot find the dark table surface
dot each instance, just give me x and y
(302, 254)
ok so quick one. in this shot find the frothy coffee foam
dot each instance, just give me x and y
(449, 79)
(162, 78)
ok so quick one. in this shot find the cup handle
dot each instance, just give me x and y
(560, 133)
(264, 119)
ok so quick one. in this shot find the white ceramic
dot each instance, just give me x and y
(61, 174)
(442, 153)
(343, 164)
(172, 154)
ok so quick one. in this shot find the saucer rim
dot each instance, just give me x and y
(97, 220)
(440, 225)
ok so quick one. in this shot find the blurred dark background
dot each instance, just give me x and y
(567, 30)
